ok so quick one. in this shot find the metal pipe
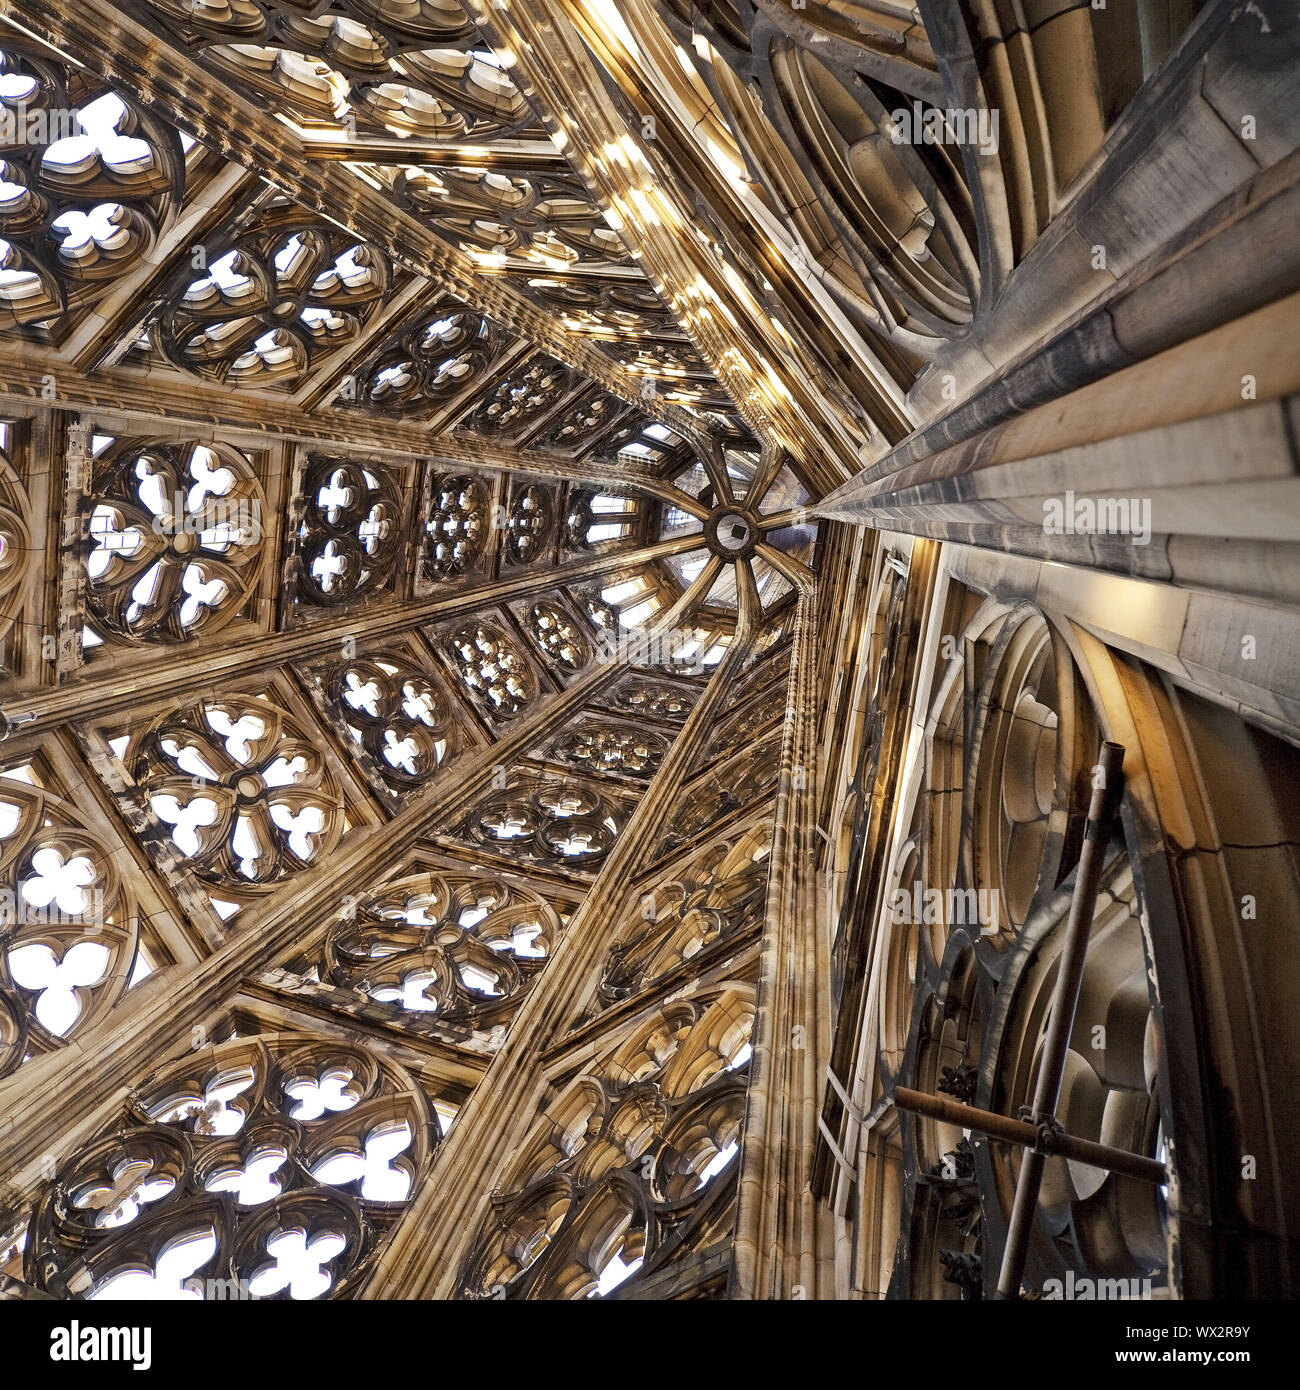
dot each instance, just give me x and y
(1065, 1000)
(1055, 1141)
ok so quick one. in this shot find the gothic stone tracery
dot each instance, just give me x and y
(564, 568)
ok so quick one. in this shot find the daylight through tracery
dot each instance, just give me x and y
(648, 650)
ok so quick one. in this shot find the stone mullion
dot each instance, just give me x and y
(318, 386)
(38, 710)
(276, 1008)
(74, 445)
(423, 1258)
(114, 323)
(34, 604)
(555, 69)
(168, 403)
(165, 80)
(845, 711)
(884, 805)
(795, 516)
(785, 565)
(694, 595)
(776, 1226)
(1176, 317)
(92, 1075)
(840, 657)
(531, 154)
(1198, 638)
(770, 461)
(553, 66)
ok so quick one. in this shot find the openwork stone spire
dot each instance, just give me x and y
(564, 568)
